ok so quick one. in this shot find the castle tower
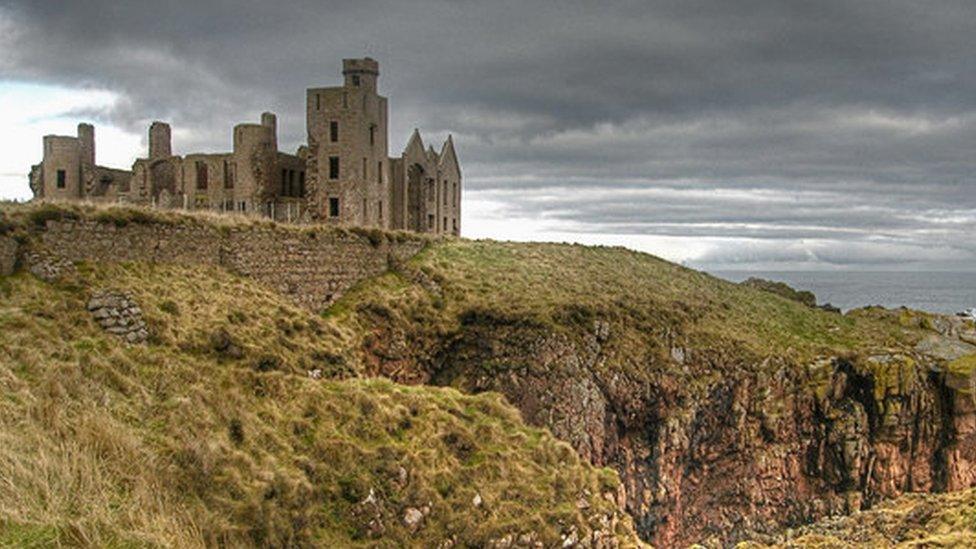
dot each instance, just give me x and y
(254, 158)
(68, 165)
(270, 121)
(160, 141)
(86, 158)
(61, 167)
(361, 73)
(86, 145)
(347, 163)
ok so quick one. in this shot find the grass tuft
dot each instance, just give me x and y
(913, 520)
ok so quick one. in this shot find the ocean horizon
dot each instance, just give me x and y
(945, 292)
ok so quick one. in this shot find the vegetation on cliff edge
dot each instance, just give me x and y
(650, 305)
(189, 440)
(914, 520)
(220, 430)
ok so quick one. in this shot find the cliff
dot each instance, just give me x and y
(727, 412)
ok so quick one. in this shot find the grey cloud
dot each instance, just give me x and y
(762, 121)
(839, 253)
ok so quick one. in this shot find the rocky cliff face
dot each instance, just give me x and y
(715, 444)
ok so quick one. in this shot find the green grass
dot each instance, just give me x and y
(914, 520)
(649, 304)
(214, 432)
(963, 366)
(182, 443)
(561, 287)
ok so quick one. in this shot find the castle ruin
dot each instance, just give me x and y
(343, 176)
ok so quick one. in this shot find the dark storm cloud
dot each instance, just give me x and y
(837, 131)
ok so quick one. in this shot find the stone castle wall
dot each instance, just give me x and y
(8, 255)
(312, 267)
(342, 177)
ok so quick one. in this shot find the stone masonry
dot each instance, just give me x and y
(8, 255)
(313, 266)
(119, 315)
(343, 176)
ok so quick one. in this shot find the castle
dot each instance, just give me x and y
(343, 176)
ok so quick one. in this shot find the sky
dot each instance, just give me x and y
(755, 134)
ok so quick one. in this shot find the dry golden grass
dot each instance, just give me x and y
(912, 521)
(647, 302)
(22, 218)
(180, 444)
(188, 442)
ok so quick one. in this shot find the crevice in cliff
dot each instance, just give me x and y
(916, 434)
(860, 389)
(947, 432)
(650, 520)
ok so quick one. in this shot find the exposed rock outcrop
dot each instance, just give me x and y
(713, 448)
(915, 520)
(118, 314)
(783, 290)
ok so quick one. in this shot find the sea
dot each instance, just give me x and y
(936, 291)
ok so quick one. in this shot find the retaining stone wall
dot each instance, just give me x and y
(118, 314)
(313, 268)
(8, 255)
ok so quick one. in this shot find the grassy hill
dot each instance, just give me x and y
(723, 409)
(565, 288)
(726, 409)
(191, 441)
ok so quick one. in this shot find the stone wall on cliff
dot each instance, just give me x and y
(8, 255)
(312, 266)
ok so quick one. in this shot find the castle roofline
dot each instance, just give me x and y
(449, 155)
(361, 65)
(249, 125)
(415, 141)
